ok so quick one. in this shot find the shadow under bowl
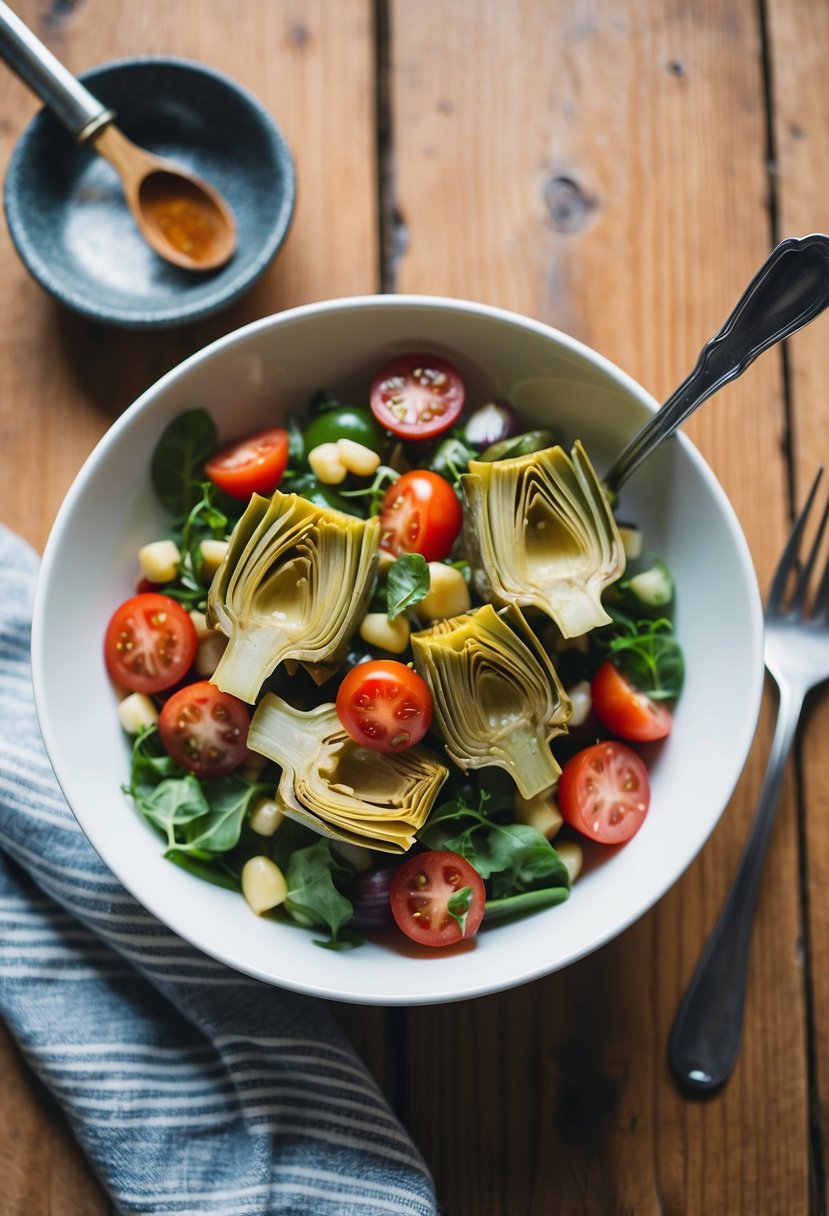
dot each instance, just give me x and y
(70, 222)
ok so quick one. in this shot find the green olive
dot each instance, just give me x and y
(345, 422)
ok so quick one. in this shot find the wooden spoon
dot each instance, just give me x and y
(185, 220)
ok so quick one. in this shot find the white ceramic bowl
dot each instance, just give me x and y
(249, 379)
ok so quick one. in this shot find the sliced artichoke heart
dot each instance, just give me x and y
(293, 585)
(541, 533)
(497, 697)
(340, 789)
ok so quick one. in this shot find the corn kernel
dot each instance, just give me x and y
(213, 554)
(326, 464)
(448, 594)
(357, 458)
(540, 812)
(571, 853)
(377, 630)
(582, 700)
(263, 884)
(208, 654)
(159, 561)
(265, 817)
(136, 712)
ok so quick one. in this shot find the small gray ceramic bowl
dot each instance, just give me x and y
(72, 227)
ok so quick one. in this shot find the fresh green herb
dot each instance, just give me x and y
(407, 582)
(214, 871)
(204, 521)
(313, 895)
(647, 653)
(296, 447)
(200, 818)
(514, 856)
(173, 804)
(218, 829)
(177, 462)
(451, 459)
(376, 492)
(524, 902)
(458, 906)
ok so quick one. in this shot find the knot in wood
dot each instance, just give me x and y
(568, 204)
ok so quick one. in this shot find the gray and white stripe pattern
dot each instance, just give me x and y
(192, 1089)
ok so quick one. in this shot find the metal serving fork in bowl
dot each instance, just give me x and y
(705, 1039)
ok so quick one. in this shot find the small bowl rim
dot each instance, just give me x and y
(522, 973)
(174, 315)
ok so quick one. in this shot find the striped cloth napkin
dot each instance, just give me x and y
(193, 1090)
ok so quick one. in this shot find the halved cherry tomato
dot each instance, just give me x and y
(626, 711)
(604, 792)
(437, 898)
(205, 730)
(150, 643)
(252, 466)
(420, 514)
(384, 705)
(417, 396)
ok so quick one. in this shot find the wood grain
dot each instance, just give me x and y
(64, 380)
(600, 165)
(603, 168)
(801, 142)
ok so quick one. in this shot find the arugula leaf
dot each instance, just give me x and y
(458, 906)
(525, 901)
(647, 653)
(217, 830)
(407, 582)
(176, 467)
(312, 893)
(533, 863)
(150, 763)
(212, 871)
(514, 856)
(175, 802)
(200, 818)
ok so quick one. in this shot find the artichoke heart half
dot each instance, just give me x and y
(294, 584)
(340, 789)
(541, 532)
(497, 698)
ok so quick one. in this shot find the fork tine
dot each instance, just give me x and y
(804, 578)
(789, 554)
(822, 594)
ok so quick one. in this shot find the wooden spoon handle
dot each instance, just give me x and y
(46, 76)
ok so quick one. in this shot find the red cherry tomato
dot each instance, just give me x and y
(252, 466)
(417, 396)
(384, 705)
(420, 514)
(604, 792)
(626, 711)
(149, 643)
(205, 730)
(421, 892)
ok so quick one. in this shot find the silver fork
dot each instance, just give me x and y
(705, 1039)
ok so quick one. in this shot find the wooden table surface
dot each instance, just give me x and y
(617, 168)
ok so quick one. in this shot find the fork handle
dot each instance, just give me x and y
(790, 289)
(705, 1039)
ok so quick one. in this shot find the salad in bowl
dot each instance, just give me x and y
(386, 669)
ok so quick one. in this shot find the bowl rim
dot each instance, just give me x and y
(523, 974)
(172, 315)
